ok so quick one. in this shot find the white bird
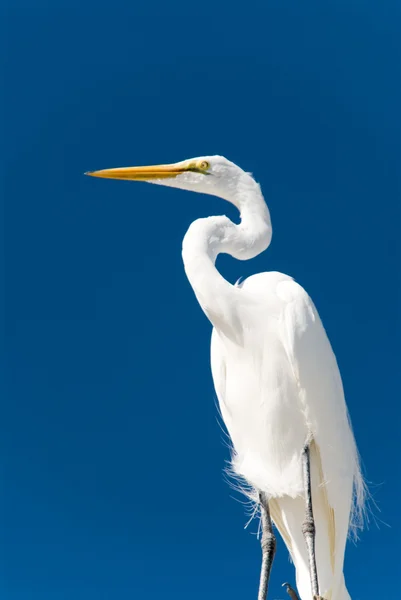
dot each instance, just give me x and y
(276, 379)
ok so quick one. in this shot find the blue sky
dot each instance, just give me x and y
(111, 455)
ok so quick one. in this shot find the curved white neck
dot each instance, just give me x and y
(206, 238)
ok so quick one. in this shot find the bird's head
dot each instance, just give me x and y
(213, 175)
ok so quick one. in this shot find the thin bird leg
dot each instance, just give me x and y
(268, 543)
(308, 526)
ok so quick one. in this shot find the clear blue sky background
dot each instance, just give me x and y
(111, 455)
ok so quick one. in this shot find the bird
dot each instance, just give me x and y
(277, 381)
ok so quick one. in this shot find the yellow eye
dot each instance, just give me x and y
(204, 165)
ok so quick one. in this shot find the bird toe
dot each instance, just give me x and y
(290, 591)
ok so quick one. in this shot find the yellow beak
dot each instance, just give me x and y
(142, 173)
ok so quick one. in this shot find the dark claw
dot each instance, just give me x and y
(292, 593)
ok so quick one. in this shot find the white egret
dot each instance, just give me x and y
(276, 379)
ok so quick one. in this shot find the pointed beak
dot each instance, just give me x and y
(142, 173)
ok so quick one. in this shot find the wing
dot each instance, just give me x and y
(321, 393)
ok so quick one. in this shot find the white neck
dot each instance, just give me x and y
(206, 238)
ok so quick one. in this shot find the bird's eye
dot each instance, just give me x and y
(204, 165)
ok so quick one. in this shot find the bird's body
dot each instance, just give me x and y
(276, 378)
(270, 414)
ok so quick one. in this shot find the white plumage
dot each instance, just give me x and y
(275, 374)
(278, 389)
